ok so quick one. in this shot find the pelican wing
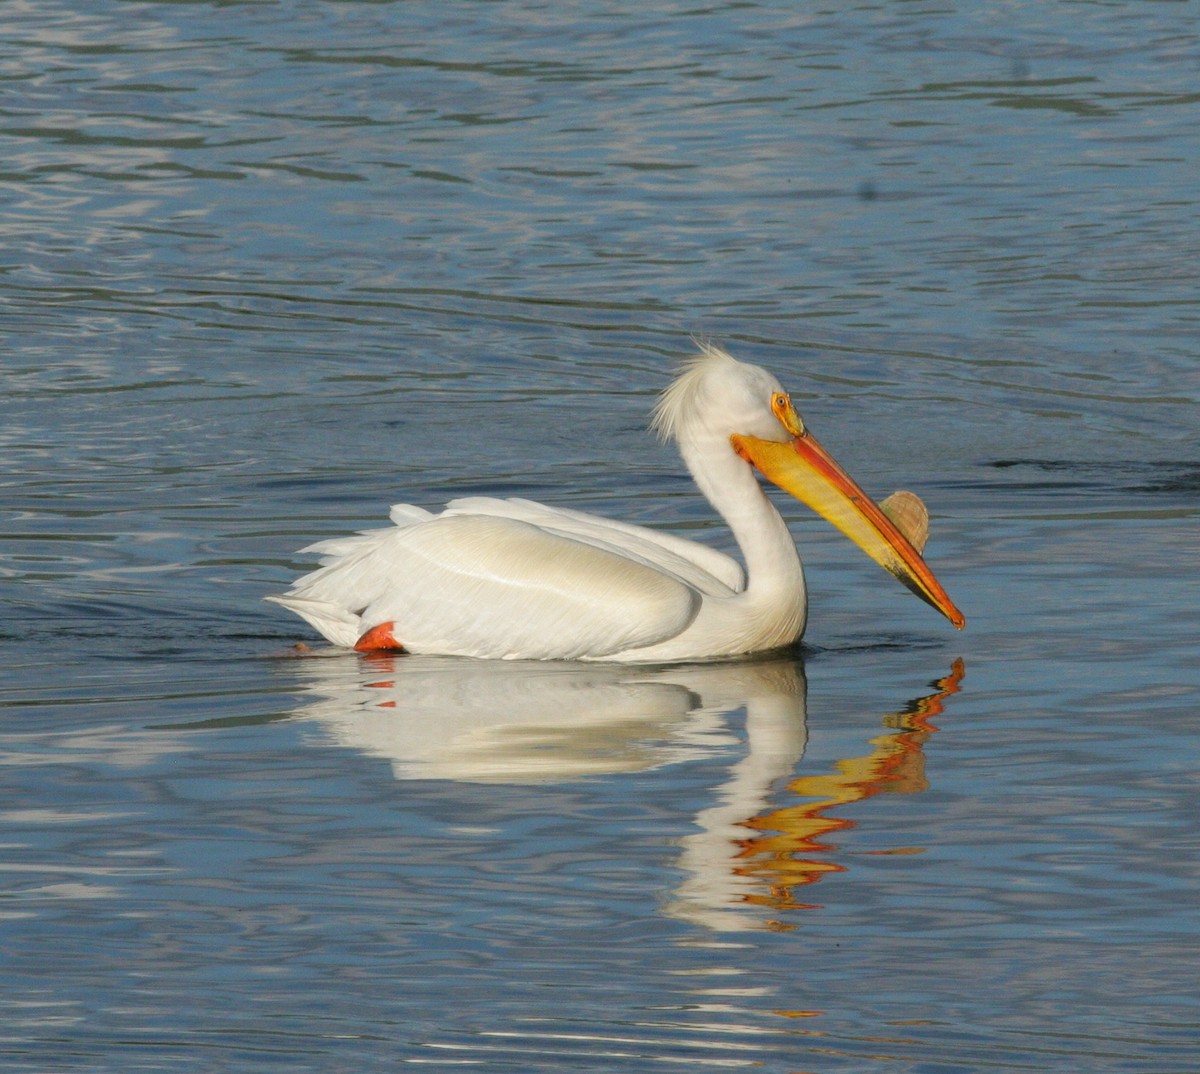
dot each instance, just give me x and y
(474, 584)
(708, 570)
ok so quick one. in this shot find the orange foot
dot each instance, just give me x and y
(379, 639)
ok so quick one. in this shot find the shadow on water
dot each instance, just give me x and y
(764, 839)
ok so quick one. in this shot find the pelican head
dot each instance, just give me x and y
(717, 397)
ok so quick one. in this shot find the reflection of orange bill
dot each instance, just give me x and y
(807, 471)
(783, 855)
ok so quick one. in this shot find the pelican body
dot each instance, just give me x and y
(512, 579)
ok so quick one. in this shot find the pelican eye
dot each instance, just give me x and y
(781, 407)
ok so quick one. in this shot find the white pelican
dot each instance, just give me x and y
(513, 579)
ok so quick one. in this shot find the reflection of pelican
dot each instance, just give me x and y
(782, 849)
(505, 722)
(519, 580)
(518, 722)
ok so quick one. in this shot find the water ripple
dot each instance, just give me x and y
(267, 273)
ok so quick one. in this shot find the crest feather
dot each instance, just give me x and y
(679, 397)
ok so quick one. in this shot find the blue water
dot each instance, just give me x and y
(268, 268)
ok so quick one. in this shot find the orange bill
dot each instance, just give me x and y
(803, 468)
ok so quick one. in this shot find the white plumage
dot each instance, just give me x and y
(513, 579)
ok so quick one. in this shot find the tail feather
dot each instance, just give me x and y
(336, 624)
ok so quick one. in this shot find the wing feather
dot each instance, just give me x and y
(478, 584)
(710, 571)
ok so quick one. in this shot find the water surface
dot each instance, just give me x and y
(267, 269)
